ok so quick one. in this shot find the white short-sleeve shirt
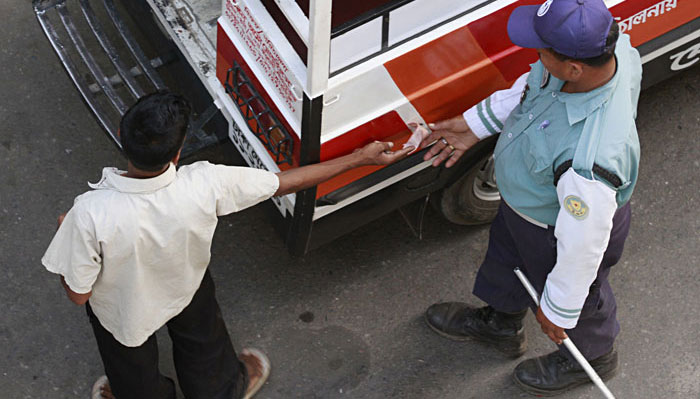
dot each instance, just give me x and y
(142, 245)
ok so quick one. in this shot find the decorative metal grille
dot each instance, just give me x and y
(258, 115)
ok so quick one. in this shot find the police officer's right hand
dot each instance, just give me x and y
(452, 138)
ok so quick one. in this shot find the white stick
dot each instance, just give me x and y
(567, 342)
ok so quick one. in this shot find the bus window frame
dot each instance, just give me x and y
(385, 15)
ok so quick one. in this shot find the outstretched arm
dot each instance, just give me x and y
(376, 153)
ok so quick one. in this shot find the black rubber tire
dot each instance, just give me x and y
(458, 203)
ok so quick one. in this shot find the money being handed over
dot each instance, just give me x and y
(420, 133)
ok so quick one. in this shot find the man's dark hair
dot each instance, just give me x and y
(153, 130)
(608, 51)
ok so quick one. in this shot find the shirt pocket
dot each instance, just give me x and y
(537, 156)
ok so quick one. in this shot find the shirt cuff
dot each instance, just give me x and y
(61, 271)
(563, 317)
(482, 121)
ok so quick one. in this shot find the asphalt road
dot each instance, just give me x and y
(346, 320)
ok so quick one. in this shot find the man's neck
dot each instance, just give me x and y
(136, 173)
(597, 77)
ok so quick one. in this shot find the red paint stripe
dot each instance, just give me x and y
(380, 128)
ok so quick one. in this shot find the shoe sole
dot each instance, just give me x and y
(541, 392)
(489, 342)
(252, 390)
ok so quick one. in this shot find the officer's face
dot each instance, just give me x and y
(568, 70)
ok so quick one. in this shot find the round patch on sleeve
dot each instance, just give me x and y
(576, 207)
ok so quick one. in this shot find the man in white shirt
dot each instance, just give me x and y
(135, 251)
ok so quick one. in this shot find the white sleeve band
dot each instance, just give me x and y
(488, 116)
(582, 230)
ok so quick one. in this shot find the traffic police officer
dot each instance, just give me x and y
(566, 163)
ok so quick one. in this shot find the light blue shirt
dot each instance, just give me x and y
(550, 127)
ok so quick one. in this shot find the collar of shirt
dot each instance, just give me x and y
(580, 105)
(112, 178)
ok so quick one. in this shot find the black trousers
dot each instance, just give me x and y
(206, 364)
(515, 242)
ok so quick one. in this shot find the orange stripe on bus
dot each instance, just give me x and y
(444, 77)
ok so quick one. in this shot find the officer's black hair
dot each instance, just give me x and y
(608, 52)
(153, 129)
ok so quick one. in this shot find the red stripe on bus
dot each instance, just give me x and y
(446, 76)
(388, 127)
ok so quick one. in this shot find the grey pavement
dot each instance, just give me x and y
(346, 320)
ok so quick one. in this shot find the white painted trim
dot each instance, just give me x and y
(414, 17)
(293, 119)
(381, 59)
(612, 3)
(322, 211)
(319, 47)
(296, 18)
(356, 44)
(360, 101)
(667, 48)
(274, 33)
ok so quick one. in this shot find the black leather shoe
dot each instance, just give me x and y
(554, 373)
(459, 321)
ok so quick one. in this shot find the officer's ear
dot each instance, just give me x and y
(574, 70)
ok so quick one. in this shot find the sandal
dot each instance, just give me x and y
(101, 389)
(258, 367)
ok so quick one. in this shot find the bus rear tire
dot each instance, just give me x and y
(473, 199)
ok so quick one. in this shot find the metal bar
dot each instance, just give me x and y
(567, 342)
(135, 49)
(111, 51)
(72, 71)
(385, 31)
(134, 71)
(101, 79)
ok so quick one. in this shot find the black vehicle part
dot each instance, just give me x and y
(473, 198)
(83, 61)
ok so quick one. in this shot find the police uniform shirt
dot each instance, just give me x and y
(569, 160)
(142, 245)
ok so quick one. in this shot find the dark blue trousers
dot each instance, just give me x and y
(515, 242)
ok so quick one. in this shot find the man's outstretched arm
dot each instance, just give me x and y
(376, 153)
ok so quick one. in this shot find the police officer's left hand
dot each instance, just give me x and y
(554, 332)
